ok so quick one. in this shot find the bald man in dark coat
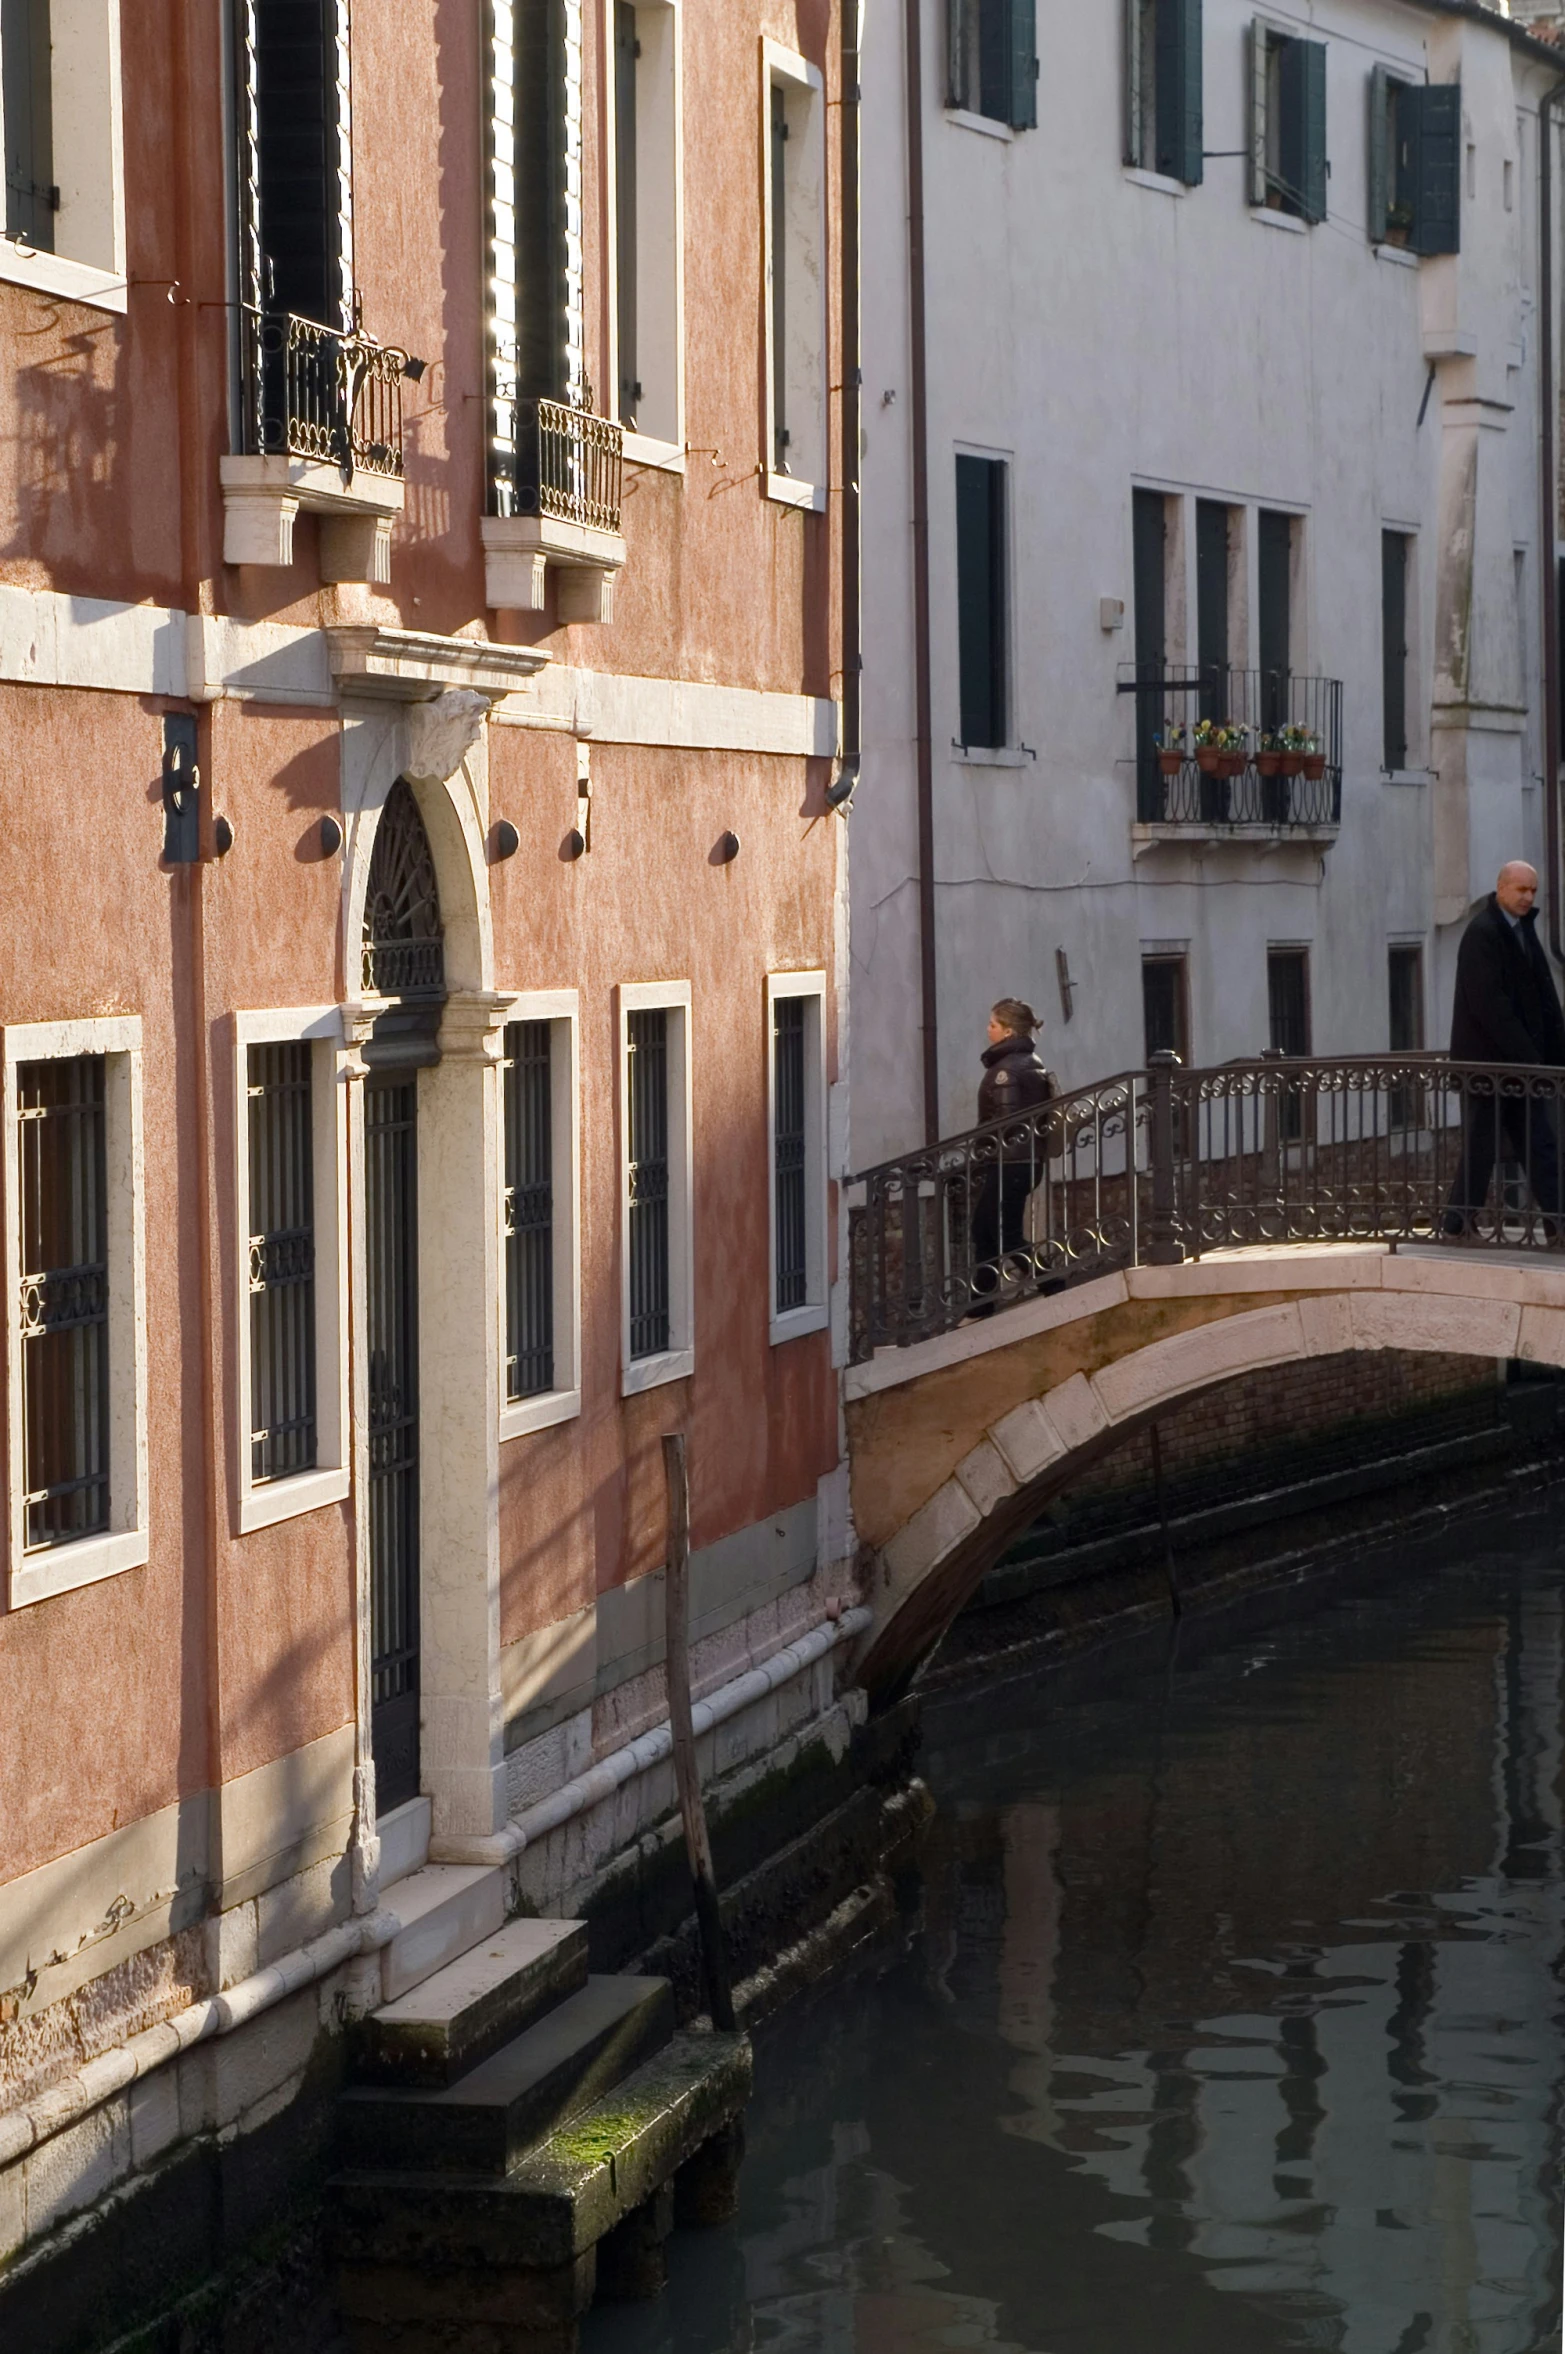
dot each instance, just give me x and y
(1506, 1010)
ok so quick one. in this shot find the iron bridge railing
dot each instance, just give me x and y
(1221, 747)
(1157, 1166)
(319, 392)
(569, 464)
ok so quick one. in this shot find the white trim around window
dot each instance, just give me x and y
(58, 1569)
(561, 1009)
(813, 1313)
(262, 1503)
(801, 239)
(676, 1362)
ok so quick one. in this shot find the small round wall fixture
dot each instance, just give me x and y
(222, 836)
(574, 843)
(507, 841)
(331, 837)
(726, 849)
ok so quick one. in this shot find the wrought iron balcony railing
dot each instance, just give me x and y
(1153, 1167)
(316, 392)
(1220, 747)
(569, 465)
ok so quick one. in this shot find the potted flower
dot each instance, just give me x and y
(1172, 751)
(1209, 734)
(1232, 750)
(1314, 758)
(1269, 754)
(1294, 744)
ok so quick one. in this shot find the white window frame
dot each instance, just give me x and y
(660, 231)
(792, 1323)
(561, 1009)
(678, 1361)
(261, 1504)
(89, 164)
(806, 231)
(35, 1577)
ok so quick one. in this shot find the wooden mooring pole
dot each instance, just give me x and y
(687, 1773)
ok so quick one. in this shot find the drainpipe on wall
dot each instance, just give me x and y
(1549, 569)
(923, 724)
(840, 791)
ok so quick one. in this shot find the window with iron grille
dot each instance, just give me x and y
(283, 1421)
(1288, 166)
(789, 1151)
(529, 1209)
(993, 60)
(65, 1299)
(647, 1096)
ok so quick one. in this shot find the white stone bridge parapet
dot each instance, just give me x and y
(958, 1442)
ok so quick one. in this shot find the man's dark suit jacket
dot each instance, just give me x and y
(1506, 1008)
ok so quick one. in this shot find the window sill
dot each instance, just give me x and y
(650, 1373)
(286, 1499)
(990, 756)
(56, 274)
(1407, 776)
(796, 1323)
(522, 1415)
(1268, 217)
(666, 457)
(87, 1562)
(811, 496)
(1397, 254)
(1139, 177)
(962, 118)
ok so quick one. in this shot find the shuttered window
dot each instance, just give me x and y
(1274, 551)
(1393, 645)
(627, 49)
(65, 1299)
(294, 74)
(529, 1209)
(282, 1261)
(1165, 997)
(777, 153)
(993, 59)
(981, 600)
(647, 1099)
(27, 98)
(1149, 575)
(789, 1159)
(1164, 89)
(1415, 148)
(1288, 165)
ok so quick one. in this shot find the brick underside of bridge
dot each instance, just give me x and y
(958, 1443)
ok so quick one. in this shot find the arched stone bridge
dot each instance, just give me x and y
(958, 1442)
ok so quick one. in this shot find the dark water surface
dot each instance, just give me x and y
(1234, 2020)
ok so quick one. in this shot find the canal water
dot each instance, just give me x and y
(1233, 2020)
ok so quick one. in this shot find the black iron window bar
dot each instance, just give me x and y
(568, 464)
(788, 1149)
(1221, 747)
(647, 1090)
(529, 1210)
(1153, 1167)
(61, 1110)
(325, 393)
(283, 1419)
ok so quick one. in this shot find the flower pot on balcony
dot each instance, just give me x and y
(1270, 764)
(1230, 764)
(1207, 759)
(1171, 762)
(1314, 764)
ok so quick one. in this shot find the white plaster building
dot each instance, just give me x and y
(1217, 403)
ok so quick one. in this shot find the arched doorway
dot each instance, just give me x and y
(403, 957)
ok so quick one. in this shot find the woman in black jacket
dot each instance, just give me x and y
(1015, 1082)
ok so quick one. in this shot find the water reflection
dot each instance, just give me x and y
(1234, 2023)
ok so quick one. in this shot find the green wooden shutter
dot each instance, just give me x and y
(1132, 34)
(1432, 117)
(1380, 159)
(1180, 127)
(626, 50)
(30, 196)
(1024, 65)
(1259, 44)
(1302, 146)
(957, 15)
(541, 252)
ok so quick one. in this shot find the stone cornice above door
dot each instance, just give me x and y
(411, 666)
